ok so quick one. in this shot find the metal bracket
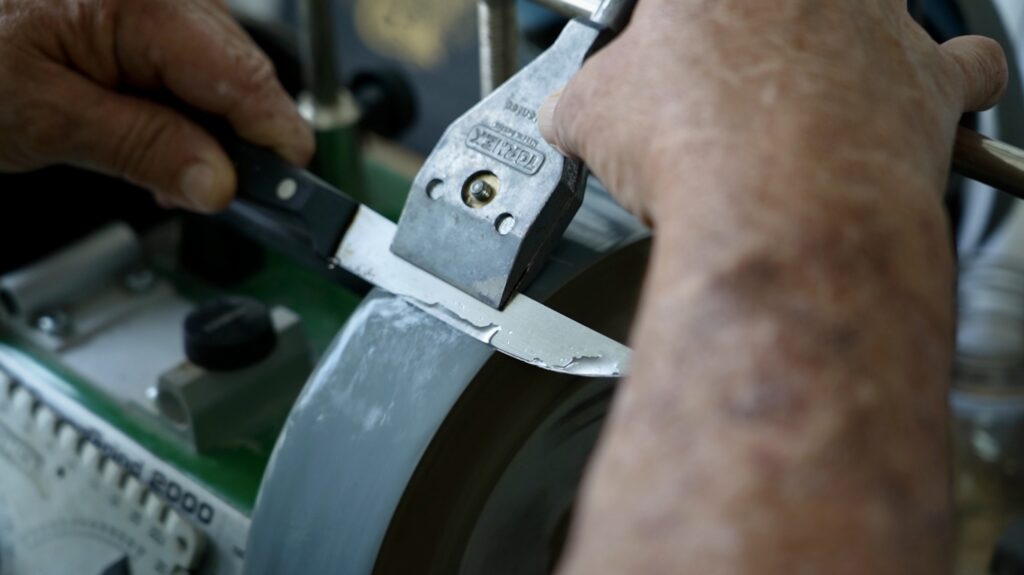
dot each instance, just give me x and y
(494, 198)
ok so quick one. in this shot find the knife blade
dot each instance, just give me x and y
(345, 234)
(526, 329)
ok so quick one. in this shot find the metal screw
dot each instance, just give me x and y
(55, 323)
(505, 223)
(481, 191)
(140, 281)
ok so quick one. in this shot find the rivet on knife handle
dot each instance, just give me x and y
(314, 210)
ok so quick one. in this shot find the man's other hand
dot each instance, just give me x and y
(74, 80)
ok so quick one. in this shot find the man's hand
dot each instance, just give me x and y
(74, 81)
(855, 80)
(787, 407)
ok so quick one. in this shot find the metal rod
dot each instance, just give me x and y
(990, 162)
(70, 274)
(499, 37)
(613, 14)
(570, 8)
(320, 68)
(327, 104)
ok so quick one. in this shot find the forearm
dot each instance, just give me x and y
(787, 404)
(786, 408)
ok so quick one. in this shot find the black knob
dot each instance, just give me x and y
(229, 333)
(386, 101)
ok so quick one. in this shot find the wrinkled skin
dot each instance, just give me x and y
(75, 76)
(786, 411)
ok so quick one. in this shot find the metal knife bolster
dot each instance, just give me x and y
(494, 198)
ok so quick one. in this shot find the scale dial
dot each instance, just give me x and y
(67, 508)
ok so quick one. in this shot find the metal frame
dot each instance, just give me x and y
(499, 34)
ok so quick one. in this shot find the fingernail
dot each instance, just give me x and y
(199, 187)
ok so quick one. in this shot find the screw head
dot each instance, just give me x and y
(140, 281)
(54, 322)
(505, 223)
(481, 191)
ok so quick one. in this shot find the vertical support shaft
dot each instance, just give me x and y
(614, 14)
(327, 104)
(320, 68)
(499, 37)
(571, 8)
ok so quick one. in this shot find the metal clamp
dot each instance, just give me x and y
(494, 198)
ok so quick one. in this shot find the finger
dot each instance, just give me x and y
(983, 73)
(164, 202)
(192, 49)
(135, 139)
(552, 125)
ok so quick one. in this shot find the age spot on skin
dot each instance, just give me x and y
(749, 275)
(774, 402)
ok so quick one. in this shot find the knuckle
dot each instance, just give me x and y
(994, 61)
(573, 116)
(134, 153)
(986, 58)
(87, 30)
(44, 125)
(991, 49)
(105, 16)
(87, 18)
(256, 72)
(979, 66)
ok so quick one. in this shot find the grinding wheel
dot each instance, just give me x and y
(416, 449)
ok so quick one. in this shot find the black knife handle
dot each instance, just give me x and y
(310, 207)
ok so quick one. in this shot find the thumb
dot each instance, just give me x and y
(554, 126)
(144, 143)
(982, 68)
